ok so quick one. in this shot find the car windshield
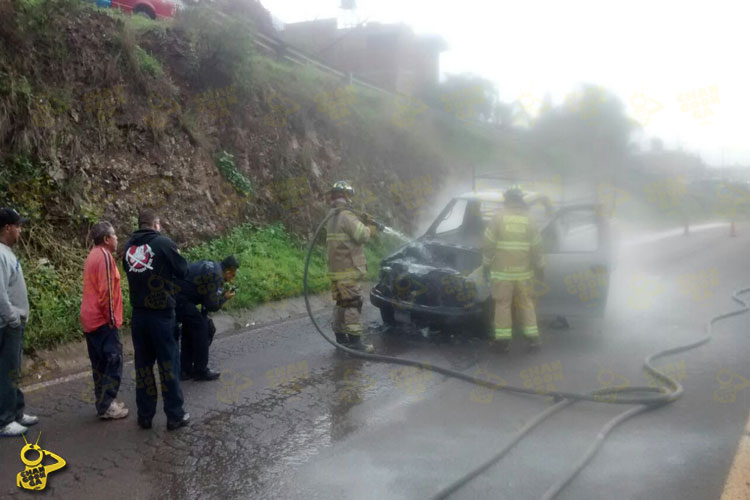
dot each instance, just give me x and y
(467, 217)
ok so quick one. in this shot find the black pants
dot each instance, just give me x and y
(105, 353)
(153, 341)
(195, 338)
(11, 396)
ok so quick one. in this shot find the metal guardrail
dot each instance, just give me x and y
(296, 56)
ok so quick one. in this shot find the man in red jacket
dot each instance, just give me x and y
(101, 318)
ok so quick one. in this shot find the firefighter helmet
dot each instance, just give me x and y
(513, 194)
(343, 187)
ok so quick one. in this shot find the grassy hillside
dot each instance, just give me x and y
(103, 113)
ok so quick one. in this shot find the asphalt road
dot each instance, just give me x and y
(292, 418)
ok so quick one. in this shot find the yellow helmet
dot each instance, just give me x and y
(514, 194)
(343, 187)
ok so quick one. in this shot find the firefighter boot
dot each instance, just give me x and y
(500, 346)
(343, 339)
(355, 342)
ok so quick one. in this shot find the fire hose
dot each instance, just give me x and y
(646, 398)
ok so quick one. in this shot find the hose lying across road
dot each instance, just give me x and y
(645, 398)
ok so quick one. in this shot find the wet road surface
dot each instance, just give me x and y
(292, 418)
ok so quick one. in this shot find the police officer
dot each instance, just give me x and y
(345, 238)
(204, 286)
(152, 264)
(512, 253)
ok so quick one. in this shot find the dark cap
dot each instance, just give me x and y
(10, 216)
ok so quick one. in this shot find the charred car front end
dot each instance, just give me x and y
(426, 282)
(437, 279)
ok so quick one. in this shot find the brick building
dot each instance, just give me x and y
(390, 56)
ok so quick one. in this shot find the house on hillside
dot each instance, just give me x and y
(390, 56)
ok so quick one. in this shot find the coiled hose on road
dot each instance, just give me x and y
(644, 397)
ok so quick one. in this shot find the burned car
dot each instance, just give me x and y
(437, 281)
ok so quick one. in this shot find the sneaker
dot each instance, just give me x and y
(144, 423)
(357, 344)
(13, 429)
(185, 375)
(28, 420)
(206, 376)
(171, 426)
(114, 412)
(119, 403)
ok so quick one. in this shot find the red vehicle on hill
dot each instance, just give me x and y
(151, 8)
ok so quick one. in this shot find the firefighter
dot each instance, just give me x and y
(346, 235)
(512, 255)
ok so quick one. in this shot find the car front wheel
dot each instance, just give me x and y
(387, 315)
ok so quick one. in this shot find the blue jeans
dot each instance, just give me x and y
(153, 341)
(11, 397)
(105, 353)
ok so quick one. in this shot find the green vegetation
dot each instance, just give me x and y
(225, 164)
(148, 63)
(272, 262)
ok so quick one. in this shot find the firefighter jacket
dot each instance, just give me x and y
(345, 238)
(512, 246)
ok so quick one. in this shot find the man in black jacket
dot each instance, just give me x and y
(204, 286)
(153, 264)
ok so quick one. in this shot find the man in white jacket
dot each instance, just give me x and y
(14, 311)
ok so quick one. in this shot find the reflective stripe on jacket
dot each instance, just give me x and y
(345, 238)
(512, 246)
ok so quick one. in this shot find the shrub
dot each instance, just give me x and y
(225, 164)
(148, 63)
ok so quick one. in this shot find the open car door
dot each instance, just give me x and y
(578, 254)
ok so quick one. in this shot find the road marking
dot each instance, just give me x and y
(737, 486)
